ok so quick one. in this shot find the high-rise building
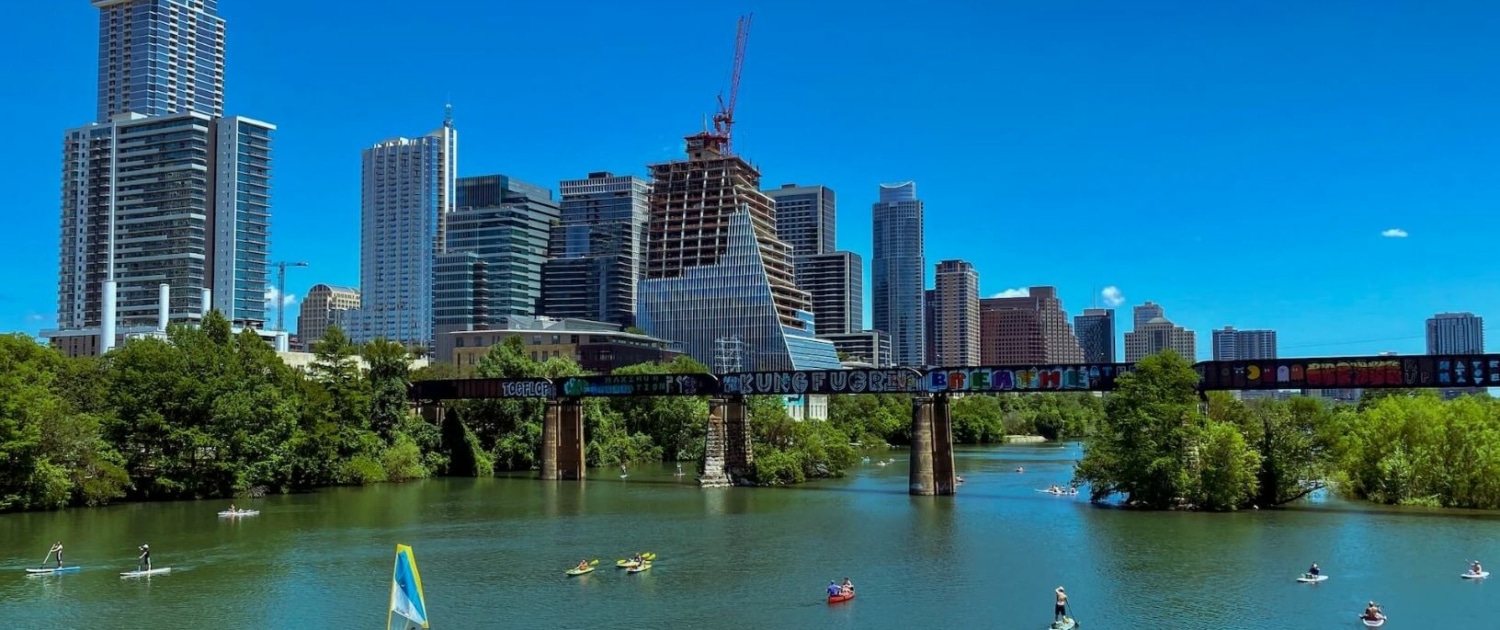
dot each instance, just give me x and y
(323, 306)
(717, 278)
(897, 272)
(1243, 345)
(1095, 330)
(162, 190)
(1455, 333)
(460, 299)
(805, 219)
(1153, 333)
(929, 326)
(835, 285)
(956, 313)
(408, 193)
(597, 251)
(866, 347)
(1027, 330)
(507, 222)
(160, 57)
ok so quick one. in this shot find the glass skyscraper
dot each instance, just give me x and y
(506, 222)
(160, 57)
(597, 251)
(408, 192)
(897, 274)
(162, 193)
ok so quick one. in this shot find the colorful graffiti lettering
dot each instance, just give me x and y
(823, 382)
(1378, 373)
(1043, 378)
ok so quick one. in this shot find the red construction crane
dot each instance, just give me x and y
(724, 119)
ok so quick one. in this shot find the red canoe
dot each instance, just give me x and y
(834, 599)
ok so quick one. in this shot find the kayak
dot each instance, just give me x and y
(1311, 579)
(643, 567)
(577, 571)
(1372, 623)
(228, 514)
(834, 599)
(1067, 623)
(1475, 576)
(626, 564)
(53, 570)
(131, 574)
(1058, 493)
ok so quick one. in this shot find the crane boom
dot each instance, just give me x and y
(281, 291)
(724, 120)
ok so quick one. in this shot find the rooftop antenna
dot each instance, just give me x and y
(448, 113)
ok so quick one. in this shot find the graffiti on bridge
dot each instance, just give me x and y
(639, 385)
(857, 381)
(1044, 378)
(1380, 372)
(461, 389)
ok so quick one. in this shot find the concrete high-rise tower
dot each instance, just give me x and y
(897, 274)
(1243, 345)
(956, 314)
(161, 189)
(409, 190)
(1455, 333)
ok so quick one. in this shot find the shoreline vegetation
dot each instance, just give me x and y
(205, 414)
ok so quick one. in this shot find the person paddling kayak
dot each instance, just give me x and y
(1060, 609)
(1474, 568)
(1314, 571)
(1372, 612)
(848, 587)
(57, 549)
(583, 564)
(834, 590)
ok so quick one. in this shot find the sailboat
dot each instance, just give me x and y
(408, 605)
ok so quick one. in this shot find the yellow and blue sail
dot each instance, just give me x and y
(407, 601)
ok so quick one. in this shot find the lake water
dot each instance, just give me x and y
(492, 554)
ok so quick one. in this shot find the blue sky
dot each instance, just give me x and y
(1236, 162)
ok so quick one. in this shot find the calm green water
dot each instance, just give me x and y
(492, 554)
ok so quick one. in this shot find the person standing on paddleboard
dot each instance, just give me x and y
(57, 549)
(145, 559)
(1060, 610)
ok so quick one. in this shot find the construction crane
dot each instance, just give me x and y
(724, 119)
(281, 291)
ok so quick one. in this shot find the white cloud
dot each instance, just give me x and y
(1112, 296)
(271, 293)
(1013, 293)
(1394, 233)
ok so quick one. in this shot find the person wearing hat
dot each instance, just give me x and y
(1060, 611)
(145, 558)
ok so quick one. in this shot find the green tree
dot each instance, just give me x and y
(1150, 422)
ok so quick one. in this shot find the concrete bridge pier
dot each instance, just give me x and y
(931, 470)
(432, 411)
(562, 440)
(727, 454)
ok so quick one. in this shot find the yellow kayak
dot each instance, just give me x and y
(578, 571)
(644, 567)
(630, 564)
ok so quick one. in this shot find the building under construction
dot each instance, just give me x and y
(717, 276)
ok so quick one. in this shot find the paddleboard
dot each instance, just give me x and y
(1068, 623)
(1311, 579)
(1475, 576)
(1372, 624)
(228, 514)
(1060, 494)
(53, 570)
(131, 574)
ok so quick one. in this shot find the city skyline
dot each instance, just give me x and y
(313, 210)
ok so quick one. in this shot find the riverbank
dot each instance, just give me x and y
(1025, 439)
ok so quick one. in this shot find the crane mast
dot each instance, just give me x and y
(724, 119)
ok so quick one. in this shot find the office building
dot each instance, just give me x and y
(835, 286)
(323, 306)
(1153, 333)
(597, 251)
(1095, 330)
(408, 193)
(1242, 345)
(805, 219)
(1455, 333)
(897, 272)
(507, 222)
(597, 347)
(956, 312)
(1032, 329)
(161, 189)
(929, 325)
(460, 299)
(160, 58)
(865, 348)
(717, 278)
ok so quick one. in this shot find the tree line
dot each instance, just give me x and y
(1161, 446)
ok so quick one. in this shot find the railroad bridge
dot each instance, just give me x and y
(728, 454)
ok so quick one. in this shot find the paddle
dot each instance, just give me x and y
(43, 565)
